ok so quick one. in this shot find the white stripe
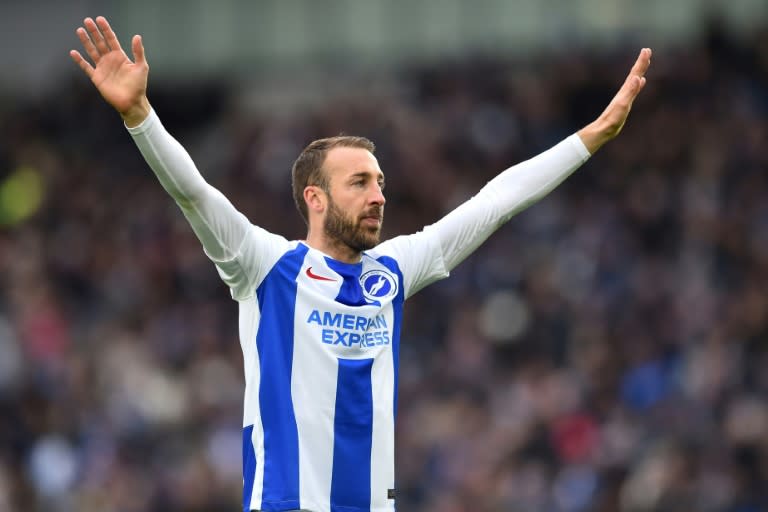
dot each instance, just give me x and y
(313, 387)
(249, 321)
(383, 446)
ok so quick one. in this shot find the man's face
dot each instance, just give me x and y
(355, 202)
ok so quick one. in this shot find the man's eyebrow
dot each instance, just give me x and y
(366, 174)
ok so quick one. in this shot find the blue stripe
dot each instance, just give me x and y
(397, 320)
(352, 437)
(274, 342)
(350, 292)
(249, 467)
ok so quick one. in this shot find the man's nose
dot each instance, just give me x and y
(377, 196)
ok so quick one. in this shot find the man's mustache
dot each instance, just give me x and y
(375, 212)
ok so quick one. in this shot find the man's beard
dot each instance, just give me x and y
(342, 228)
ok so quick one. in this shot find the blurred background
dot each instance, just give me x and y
(607, 350)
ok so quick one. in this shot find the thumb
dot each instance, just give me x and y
(138, 50)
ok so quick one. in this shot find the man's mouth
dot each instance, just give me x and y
(371, 220)
(372, 217)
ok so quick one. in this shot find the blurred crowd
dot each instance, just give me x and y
(607, 350)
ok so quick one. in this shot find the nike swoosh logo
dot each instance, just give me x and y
(315, 276)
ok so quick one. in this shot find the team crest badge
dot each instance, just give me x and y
(378, 284)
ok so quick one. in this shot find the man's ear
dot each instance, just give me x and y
(315, 198)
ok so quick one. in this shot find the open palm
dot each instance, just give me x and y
(611, 121)
(122, 82)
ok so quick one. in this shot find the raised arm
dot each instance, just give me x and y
(463, 230)
(224, 232)
(121, 82)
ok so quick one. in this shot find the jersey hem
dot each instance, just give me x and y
(278, 506)
(315, 507)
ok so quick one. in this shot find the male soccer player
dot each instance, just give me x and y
(320, 318)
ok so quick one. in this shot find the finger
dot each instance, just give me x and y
(80, 61)
(96, 36)
(642, 63)
(635, 81)
(90, 49)
(109, 34)
(628, 92)
(640, 84)
(638, 71)
(138, 50)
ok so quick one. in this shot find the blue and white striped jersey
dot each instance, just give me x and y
(320, 338)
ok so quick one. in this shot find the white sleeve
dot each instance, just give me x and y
(431, 254)
(465, 228)
(419, 257)
(243, 253)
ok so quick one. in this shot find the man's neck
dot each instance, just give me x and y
(334, 248)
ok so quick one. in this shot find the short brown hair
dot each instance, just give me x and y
(308, 167)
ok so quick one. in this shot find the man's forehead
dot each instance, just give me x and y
(343, 160)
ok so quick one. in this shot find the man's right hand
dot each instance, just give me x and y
(122, 82)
